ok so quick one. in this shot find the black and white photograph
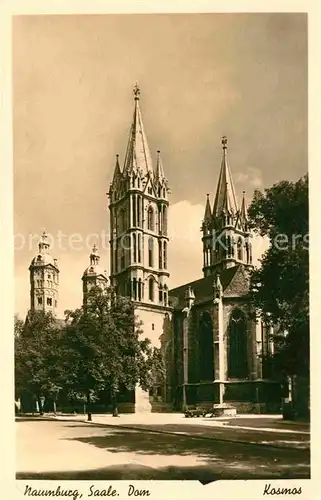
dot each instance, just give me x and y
(161, 323)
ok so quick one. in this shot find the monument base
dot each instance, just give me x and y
(142, 403)
(224, 410)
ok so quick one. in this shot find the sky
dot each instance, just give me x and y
(201, 76)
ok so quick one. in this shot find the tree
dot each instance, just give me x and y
(105, 348)
(39, 361)
(280, 287)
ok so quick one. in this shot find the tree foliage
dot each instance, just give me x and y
(280, 287)
(106, 351)
(99, 348)
(39, 361)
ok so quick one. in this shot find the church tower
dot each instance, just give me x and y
(93, 275)
(44, 279)
(226, 235)
(138, 220)
(138, 205)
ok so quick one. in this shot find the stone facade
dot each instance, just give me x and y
(209, 337)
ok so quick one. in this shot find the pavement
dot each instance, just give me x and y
(156, 447)
(261, 430)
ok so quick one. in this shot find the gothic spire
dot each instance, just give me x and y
(208, 212)
(243, 208)
(138, 155)
(160, 176)
(225, 199)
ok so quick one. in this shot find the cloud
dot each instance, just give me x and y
(251, 177)
(185, 259)
(185, 249)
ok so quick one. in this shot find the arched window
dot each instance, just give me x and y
(160, 256)
(150, 252)
(139, 247)
(165, 255)
(160, 294)
(138, 211)
(240, 249)
(151, 289)
(150, 219)
(134, 288)
(140, 289)
(122, 259)
(134, 247)
(134, 210)
(122, 219)
(205, 331)
(164, 219)
(237, 346)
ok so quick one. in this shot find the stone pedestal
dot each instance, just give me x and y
(224, 410)
(142, 403)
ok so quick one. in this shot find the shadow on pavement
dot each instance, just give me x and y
(204, 474)
(236, 459)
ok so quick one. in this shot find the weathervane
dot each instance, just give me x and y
(224, 142)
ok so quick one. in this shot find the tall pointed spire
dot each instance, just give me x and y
(208, 211)
(138, 155)
(160, 176)
(225, 199)
(117, 171)
(243, 208)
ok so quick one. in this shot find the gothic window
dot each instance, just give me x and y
(139, 289)
(164, 192)
(121, 220)
(160, 255)
(151, 289)
(138, 211)
(122, 259)
(240, 249)
(134, 210)
(39, 301)
(138, 182)
(49, 301)
(150, 219)
(237, 346)
(160, 294)
(134, 288)
(165, 255)
(229, 246)
(164, 220)
(165, 298)
(134, 247)
(150, 252)
(205, 332)
(139, 248)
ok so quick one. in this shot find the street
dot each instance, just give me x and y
(57, 449)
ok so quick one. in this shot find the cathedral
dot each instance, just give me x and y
(213, 345)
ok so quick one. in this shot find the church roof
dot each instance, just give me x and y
(202, 288)
(138, 155)
(225, 199)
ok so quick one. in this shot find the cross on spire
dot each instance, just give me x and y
(136, 92)
(224, 142)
